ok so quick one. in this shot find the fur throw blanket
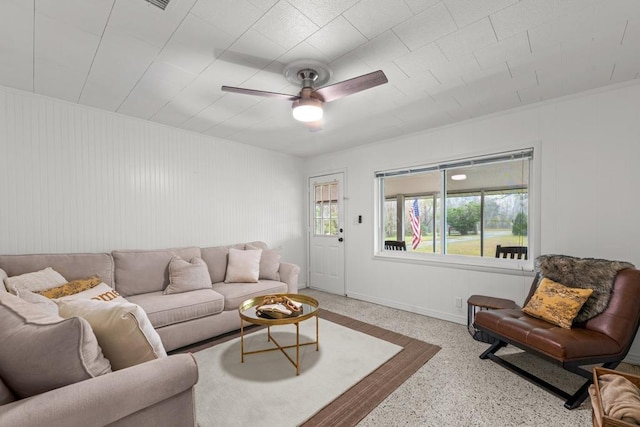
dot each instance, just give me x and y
(585, 273)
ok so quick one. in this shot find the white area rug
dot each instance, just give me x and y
(265, 391)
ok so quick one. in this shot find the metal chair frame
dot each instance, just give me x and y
(511, 252)
(394, 245)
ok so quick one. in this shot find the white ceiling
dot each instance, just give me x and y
(446, 60)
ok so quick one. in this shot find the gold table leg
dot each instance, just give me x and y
(241, 341)
(297, 348)
(270, 338)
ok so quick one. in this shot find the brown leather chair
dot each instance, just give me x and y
(604, 340)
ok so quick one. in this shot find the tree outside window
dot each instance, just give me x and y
(487, 207)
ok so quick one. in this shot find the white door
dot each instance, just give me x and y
(326, 233)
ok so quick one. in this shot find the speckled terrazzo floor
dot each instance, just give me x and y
(455, 387)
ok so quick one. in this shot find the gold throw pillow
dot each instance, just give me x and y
(556, 303)
(72, 287)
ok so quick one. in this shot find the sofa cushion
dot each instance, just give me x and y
(243, 266)
(216, 258)
(6, 395)
(236, 293)
(255, 245)
(34, 281)
(123, 330)
(71, 266)
(41, 352)
(269, 263)
(164, 310)
(71, 288)
(187, 276)
(143, 271)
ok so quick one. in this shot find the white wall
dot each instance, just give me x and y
(588, 155)
(76, 179)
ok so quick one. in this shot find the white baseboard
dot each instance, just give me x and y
(410, 308)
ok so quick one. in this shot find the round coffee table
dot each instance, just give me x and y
(247, 312)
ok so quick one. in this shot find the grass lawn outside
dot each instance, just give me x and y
(470, 245)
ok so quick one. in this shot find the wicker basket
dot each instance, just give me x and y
(597, 413)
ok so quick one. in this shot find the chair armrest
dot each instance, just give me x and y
(289, 275)
(105, 399)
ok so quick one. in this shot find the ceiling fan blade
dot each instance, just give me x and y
(250, 61)
(266, 94)
(351, 86)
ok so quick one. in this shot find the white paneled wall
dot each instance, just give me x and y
(588, 173)
(76, 179)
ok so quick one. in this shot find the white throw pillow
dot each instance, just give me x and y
(44, 303)
(34, 282)
(187, 276)
(102, 292)
(243, 266)
(123, 329)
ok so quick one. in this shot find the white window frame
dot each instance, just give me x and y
(460, 261)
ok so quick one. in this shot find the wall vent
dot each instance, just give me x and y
(162, 4)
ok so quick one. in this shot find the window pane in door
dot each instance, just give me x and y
(326, 209)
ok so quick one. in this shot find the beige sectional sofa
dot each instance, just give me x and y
(180, 319)
(190, 317)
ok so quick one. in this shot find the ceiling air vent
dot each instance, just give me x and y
(162, 4)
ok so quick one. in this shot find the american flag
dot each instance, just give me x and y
(414, 216)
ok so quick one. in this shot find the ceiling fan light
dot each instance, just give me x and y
(307, 110)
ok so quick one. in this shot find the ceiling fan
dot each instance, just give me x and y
(307, 104)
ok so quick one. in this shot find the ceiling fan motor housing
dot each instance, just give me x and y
(308, 77)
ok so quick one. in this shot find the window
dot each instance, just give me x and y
(463, 208)
(326, 209)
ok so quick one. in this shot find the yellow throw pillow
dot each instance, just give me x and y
(556, 303)
(71, 288)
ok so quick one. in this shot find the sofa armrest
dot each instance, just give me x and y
(289, 275)
(108, 398)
